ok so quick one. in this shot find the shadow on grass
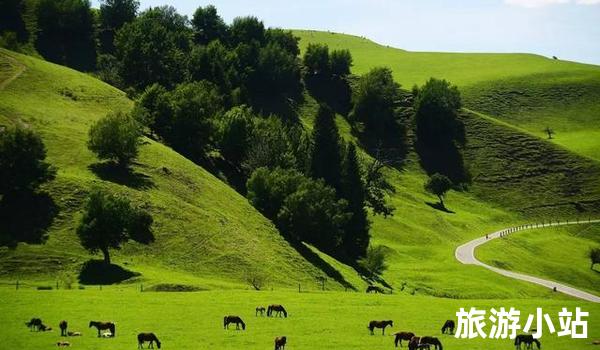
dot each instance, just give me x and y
(25, 218)
(439, 206)
(109, 171)
(96, 272)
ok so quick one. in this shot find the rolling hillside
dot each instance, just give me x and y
(205, 232)
(529, 91)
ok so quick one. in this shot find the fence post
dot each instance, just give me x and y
(17, 284)
(299, 290)
(141, 287)
(56, 284)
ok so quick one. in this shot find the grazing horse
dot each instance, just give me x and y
(375, 289)
(528, 340)
(280, 343)
(34, 324)
(400, 336)
(100, 326)
(380, 324)
(44, 328)
(449, 326)
(261, 310)
(63, 344)
(414, 342)
(147, 337)
(279, 309)
(233, 319)
(432, 341)
(63, 328)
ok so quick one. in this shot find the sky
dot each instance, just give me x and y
(568, 29)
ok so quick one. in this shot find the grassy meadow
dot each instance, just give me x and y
(330, 320)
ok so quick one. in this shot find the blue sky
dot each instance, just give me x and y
(569, 29)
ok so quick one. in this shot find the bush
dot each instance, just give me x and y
(374, 262)
(116, 137)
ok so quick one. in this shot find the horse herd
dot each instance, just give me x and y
(108, 329)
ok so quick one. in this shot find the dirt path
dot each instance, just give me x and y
(466, 255)
(20, 69)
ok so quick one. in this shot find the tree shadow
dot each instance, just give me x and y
(446, 160)
(439, 206)
(26, 218)
(96, 272)
(109, 171)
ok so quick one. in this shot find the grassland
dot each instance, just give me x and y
(529, 91)
(194, 320)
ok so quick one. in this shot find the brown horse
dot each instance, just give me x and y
(400, 336)
(280, 343)
(63, 328)
(528, 340)
(414, 342)
(100, 326)
(449, 326)
(432, 341)
(375, 289)
(34, 324)
(261, 310)
(233, 319)
(380, 324)
(147, 337)
(279, 309)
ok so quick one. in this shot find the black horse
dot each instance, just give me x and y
(233, 319)
(147, 337)
(63, 328)
(101, 326)
(380, 324)
(432, 341)
(400, 336)
(528, 340)
(448, 326)
(34, 324)
(279, 309)
(375, 289)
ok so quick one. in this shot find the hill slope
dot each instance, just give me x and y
(204, 230)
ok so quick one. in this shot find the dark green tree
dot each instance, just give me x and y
(353, 190)
(110, 220)
(214, 63)
(113, 15)
(208, 26)
(116, 137)
(247, 30)
(13, 19)
(374, 261)
(285, 39)
(66, 33)
(236, 128)
(277, 72)
(22, 162)
(270, 146)
(153, 48)
(594, 255)
(316, 59)
(326, 159)
(268, 189)
(340, 62)
(439, 185)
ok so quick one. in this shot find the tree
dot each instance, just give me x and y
(208, 26)
(116, 137)
(285, 39)
(316, 59)
(247, 30)
(374, 101)
(153, 48)
(108, 221)
(326, 160)
(594, 255)
(374, 261)
(66, 33)
(277, 72)
(113, 15)
(353, 190)
(268, 189)
(13, 15)
(270, 146)
(214, 63)
(438, 184)
(377, 186)
(340, 62)
(235, 133)
(22, 162)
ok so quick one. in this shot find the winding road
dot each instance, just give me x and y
(466, 255)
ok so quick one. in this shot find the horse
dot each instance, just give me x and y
(100, 326)
(528, 340)
(233, 319)
(147, 337)
(375, 289)
(63, 328)
(400, 336)
(63, 344)
(44, 328)
(414, 343)
(34, 324)
(280, 343)
(449, 325)
(279, 309)
(261, 310)
(380, 324)
(432, 341)
(74, 334)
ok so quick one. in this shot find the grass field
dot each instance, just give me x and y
(194, 320)
(558, 253)
(529, 91)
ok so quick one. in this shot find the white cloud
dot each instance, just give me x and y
(541, 3)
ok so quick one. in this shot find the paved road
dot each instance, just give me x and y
(466, 255)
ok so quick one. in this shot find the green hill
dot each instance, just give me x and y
(529, 91)
(205, 232)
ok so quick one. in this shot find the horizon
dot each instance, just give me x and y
(563, 28)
